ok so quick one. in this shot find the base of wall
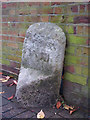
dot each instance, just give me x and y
(76, 94)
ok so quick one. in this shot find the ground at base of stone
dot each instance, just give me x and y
(11, 109)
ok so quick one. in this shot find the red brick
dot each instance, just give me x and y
(45, 3)
(44, 18)
(13, 32)
(12, 19)
(85, 51)
(35, 18)
(12, 4)
(45, 10)
(4, 31)
(21, 4)
(0, 42)
(21, 18)
(5, 37)
(81, 19)
(13, 25)
(4, 25)
(28, 19)
(4, 5)
(21, 33)
(33, 11)
(58, 10)
(11, 38)
(0, 37)
(70, 68)
(4, 19)
(87, 30)
(20, 39)
(84, 61)
(82, 6)
(14, 45)
(5, 12)
(55, 3)
(34, 3)
(88, 42)
(74, 8)
(80, 30)
(11, 12)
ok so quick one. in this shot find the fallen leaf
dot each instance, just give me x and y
(71, 111)
(2, 92)
(40, 115)
(3, 80)
(71, 107)
(11, 76)
(11, 84)
(58, 105)
(7, 77)
(66, 107)
(15, 82)
(11, 97)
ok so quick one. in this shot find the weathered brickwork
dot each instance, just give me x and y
(73, 18)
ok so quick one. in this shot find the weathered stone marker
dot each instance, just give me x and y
(42, 62)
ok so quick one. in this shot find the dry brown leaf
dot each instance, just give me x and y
(3, 80)
(7, 77)
(71, 111)
(66, 107)
(71, 107)
(2, 92)
(58, 105)
(11, 84)
(15, 82)
(40, 115)
(11, 97)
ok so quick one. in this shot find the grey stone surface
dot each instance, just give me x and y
(41, 67)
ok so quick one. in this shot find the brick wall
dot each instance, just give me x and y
(72, 18)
